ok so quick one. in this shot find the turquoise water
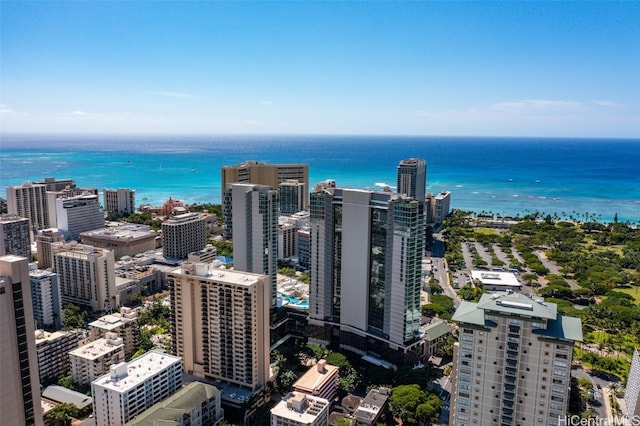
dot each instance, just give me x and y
(509, 176)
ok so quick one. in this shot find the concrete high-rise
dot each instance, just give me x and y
(15, 236)
(86, 275)
(29, 200)
(271, 175)
(293, 196)
(366, 259)
(131, 388)
(512, 365)
(441, 206)
(220, 325)
(121, 200)
(53, 353)
(251, 217)
(183, 234)
(78, 214)
(44, 239)
(45, 297)
(20, 389)
(632, 393)
(412, 178)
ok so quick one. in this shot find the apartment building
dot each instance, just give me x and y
(15, 236)
(293, 196)
(46, 298)
(77, 214)
(412, 178)
(131, 388)
(513, 363)
(53, 353)
(92, 360)
(321, 380)
(220, 324)
(366, 258)
(120, 200)
(123, 324)
(299, 409)
(183, 234)
(86, 275)
(20, 390)
(44, 239)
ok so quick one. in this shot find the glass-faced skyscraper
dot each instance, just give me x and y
(412, 178)
(366, 253)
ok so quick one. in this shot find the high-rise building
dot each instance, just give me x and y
(29, 200)
(366, 259)
(299, 409)
(15, 236)
(45, 297)
(220, 325)
(293, 196)
(53, 353)
(287, 240)
(131, 388)
(86, 275)
(183, 234)
(412, 178)
(93, 359)
(441, 206)
(271, 175)
(78, 214)
(251, 218)
(632, 393)
(20, 389)
(123, 324)
(513, 362)
(196, 404)
(121, 200)
(44, 239)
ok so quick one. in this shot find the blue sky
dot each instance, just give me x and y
(426, 68)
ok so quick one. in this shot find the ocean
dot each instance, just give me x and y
(598, 178)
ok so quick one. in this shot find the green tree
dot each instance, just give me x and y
(73, 317)
(404, 402)
(61, 415)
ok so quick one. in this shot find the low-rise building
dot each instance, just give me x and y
(197, 404)
(53, 353)
(131, 388)
(124, 324)
(496, 280)
(320, 380)
(373, 407)
(125, 240)
(300, 409)
(435, 335)
(90, 361)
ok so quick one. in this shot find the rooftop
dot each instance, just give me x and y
(300, 407)
(315, 377)
(137, 371)
(61, 394)
(205, 270)
(98, 348)
(436, 329)
(372, 404)
(507, 279)
(128, 232)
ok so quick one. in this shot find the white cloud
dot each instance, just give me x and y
(604, 103)
(535, 106)
(180, 95)
(5, 111)
(78, 113)
(265, 102)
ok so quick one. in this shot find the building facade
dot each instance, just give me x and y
(321, 381)
(220, 323)
(287, 240)
(92, 360)
(183, 234)
(46, 299)
(271, 175)
(632, 392)
(30, 200)
(121, 200)
(513, 362)
(366, 258)
(53, 353)
(293, 196)
(124, 324)
(131, 388)
(20, 390)
(79, 213)
(15, 236)
(44, 239)
(412, 178)
(441, 206)
(86, 275)
(251, 217)
(299, 409)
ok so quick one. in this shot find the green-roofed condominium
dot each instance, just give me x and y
(512, 365)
